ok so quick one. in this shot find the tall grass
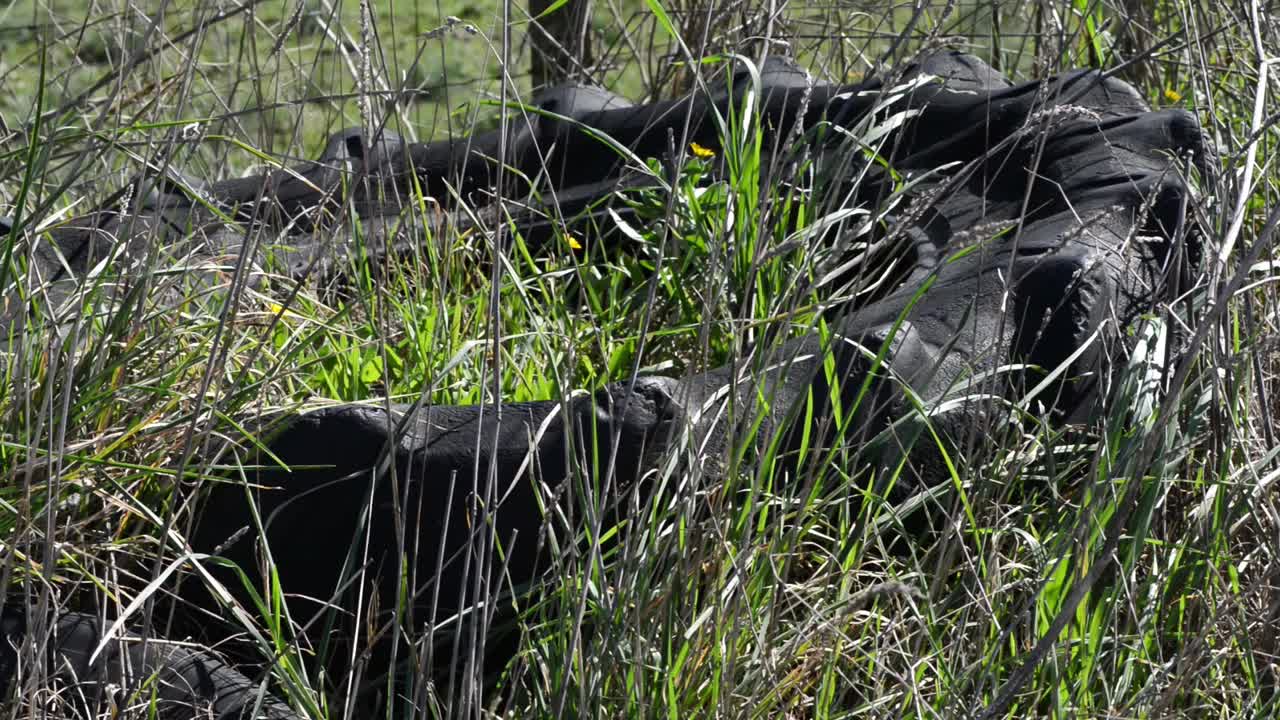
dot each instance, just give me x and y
(1125, 569)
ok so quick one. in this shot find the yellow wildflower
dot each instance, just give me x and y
(1172, 95)
(574, 244)
(701, 152)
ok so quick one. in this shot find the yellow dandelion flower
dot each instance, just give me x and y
(574, 244)
(1172, 95)
(276, 308)
(699, 151)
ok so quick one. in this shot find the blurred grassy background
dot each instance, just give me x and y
(282, 72)
(284, 75)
